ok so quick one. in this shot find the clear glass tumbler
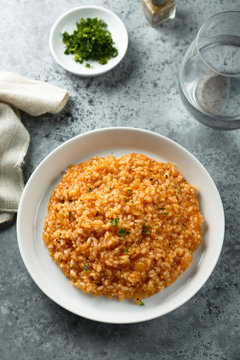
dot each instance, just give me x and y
(209, 79)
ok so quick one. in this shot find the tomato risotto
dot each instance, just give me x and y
(123, 227)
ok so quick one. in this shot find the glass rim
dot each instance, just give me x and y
(198, 37)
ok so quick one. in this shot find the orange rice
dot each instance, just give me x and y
(123, 227)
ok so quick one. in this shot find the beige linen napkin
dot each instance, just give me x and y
(34, 98)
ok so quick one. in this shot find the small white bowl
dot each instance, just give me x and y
(67, 22)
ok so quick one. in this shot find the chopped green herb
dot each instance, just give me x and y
(90, 40)
(146, 230)
(129, 191)
(86, 267)
(89, 190)
(123, 232)
(126, 250)
(156, 239)
(110, 188)
(165, 213)
(141, 303)
(161, 208)
(88, 66)
(115, 221)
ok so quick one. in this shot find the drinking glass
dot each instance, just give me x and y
(209, 79)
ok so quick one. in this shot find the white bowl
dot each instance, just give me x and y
(116, 141)
(67, 22)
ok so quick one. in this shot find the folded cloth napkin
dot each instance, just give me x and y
(34, 98)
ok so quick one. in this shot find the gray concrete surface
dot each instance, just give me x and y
(141, 92)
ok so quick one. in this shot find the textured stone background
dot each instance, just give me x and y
(141, 92)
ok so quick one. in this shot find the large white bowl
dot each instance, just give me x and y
(116, 141)
(67, 22)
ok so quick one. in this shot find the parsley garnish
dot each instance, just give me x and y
(140, 302)
(126, 250)
(146, 230)
(129, 191)
(161, 208)
(123, 232)
(86, 267)
(89, 190)
(165, 213)
(115, 221)
(90, 40)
